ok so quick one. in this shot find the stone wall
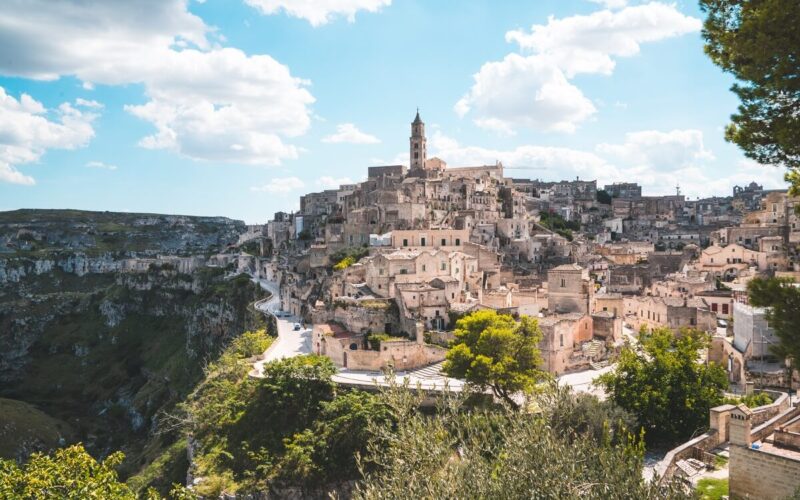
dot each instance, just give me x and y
(399, 354)
(760, 474)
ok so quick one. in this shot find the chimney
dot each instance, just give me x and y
(740, 426)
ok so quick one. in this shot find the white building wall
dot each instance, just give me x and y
(750, 327)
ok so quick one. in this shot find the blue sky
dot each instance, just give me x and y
(236, 108)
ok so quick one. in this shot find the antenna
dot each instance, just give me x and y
(678, 189)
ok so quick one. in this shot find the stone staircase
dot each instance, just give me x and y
(429, 372)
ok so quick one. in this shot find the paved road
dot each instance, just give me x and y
(428, 378)
(290, 342)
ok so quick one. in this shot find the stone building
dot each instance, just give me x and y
(767, 466)
(624, 190)
(562, 336)
(752, 334)
(673, 313)
(569, 289)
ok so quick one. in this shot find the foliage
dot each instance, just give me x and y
(782, 298)
(327, 451)
(305, 235)
(249, 344)
(750, 400)
(290, 428)
(556, 222)
(494, 351)
(758, 42)
(466, 452)
(70, 473)
(584, 414)
(664, 385)
(375, 340)
(164, 472)
(710, 488)
(344, 263)
(604, 197)
(357, 253)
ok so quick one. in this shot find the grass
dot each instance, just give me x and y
(712, 489)
(720, 462)
(169, 467)
(22, 424)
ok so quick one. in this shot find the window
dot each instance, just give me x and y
(452, 295)
(444, 266)
(422, 241)
(423, 268)
(405, 242)
(444, 242)
(379, 287)
(404, 271)
(380, 271)
(563, 283)
(562, 340)
(691, 321)
(458, 242)
(714, 307)
(724, 308)
(416, 155)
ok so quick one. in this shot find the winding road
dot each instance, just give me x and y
(290, 342)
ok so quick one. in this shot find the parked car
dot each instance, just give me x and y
(722, 323)
(296, 326)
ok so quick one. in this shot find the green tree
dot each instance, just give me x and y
(71, 473)
(494, 351)
(604, 197)
(327, 451)
(466, 452)
(782, 299)
(758, 42)
(665, 386)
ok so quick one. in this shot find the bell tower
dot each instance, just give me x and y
(418, 144)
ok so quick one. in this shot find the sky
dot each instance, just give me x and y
(238, 107)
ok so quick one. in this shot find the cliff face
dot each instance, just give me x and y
(105, 349)
(33, 232)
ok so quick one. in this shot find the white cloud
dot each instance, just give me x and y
(328, 182)
(531, 161)
(26, 133)
(349, 133)
(611, 4)
(88, 103)
(653, 159)
(533, 89)
(205, 102)
(524, 91)
(658, 150)
(587, 44)
(280, 185)
(101, 165)
(318, 12)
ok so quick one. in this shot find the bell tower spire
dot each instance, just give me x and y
(418, 144)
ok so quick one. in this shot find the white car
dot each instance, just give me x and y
(297, 326)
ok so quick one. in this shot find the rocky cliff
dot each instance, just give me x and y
(102, 350)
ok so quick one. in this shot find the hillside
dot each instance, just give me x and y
(36, 232)
(94, 349)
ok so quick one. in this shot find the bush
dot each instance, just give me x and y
(467, 452)
(375, 340)
(750, 400)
